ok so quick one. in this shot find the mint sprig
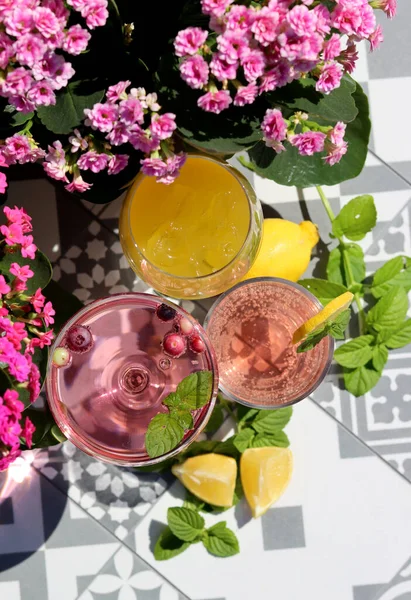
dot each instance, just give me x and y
(334, 327)
(166, 430)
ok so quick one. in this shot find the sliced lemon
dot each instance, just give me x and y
(265, 474)
(210, 477)
(328, 313)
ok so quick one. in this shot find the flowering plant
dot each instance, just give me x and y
(74, 74)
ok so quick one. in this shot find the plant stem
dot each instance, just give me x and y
(346, 261)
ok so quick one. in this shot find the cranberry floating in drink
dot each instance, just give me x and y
(113, 365)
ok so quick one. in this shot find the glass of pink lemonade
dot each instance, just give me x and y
(251, 328)
(119, 358)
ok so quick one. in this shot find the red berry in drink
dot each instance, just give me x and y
(174, 345)
(165, 313)
(196, 344)
(184, 326)
(79, 339)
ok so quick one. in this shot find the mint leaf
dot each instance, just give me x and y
(401, 337)
(168, 545)
(313, 339)
(339, 324)
(185, 523)
(192, 502)
(221, 541)
(396, 272)
(279, 438)
(356, 219)
(173, 400)
(337, 264)
(379, 357)
(361, 380)
(390, 311)
(195, 390)
(163, 434)
(227, 448)
(271, 421)
(183, 417)
(242, 440)
(324, 290)
(246, 414)
(355, 353)
(216, 420)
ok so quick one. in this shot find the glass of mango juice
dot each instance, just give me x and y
(196, 237)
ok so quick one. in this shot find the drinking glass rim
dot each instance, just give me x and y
(227, 167)
(93, 449)
(308, 294)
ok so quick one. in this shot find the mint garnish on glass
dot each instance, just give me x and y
(166, 430)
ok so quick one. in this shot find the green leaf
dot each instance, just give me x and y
(400, 338)
(221, 541)
(185, 523)
(68, 112)
(192, 502)
(290, 168)
(64, 303)
(183, 417)
(279, 438)
(163, 434)
(379, 357)
(195, 390)
(355, 353)
(313, 339)
(246, 414)
(324, 290)
(337, 264)
(40, 266)
(216, 420)
(270, 421)
(361, 380)
(58, 434)
(168, 545)
(356, 219)
(243, 440)
(40, 358)
(227, 447)
(339, 324)
(390, 311)
(396, 272)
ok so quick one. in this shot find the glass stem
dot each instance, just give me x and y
(346, 261)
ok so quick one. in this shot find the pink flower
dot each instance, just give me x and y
(117, 163)
(10, 428)
(253, 63)
(78, 184)
(215, 8)
(120, 134)
(77, 141)
(221, 69)
(4, 287)
(44, 339)
(56, 170)
(323, 19)
(13, 234)
(330, 77)
(354, 17)
(162, 126)
(3, 183)
(17, 82)
(76, 40)
(231, 45)
(6, 50)
(41, 94)
(173, 166)
(376, 38)
(239, 18)
(118, 91)
(92, 160)
(16, 333)
(53, 68)
(153, 167)
(45, 21)
(246, 95)
(274, 129)
(335, 154)
(19, 22)
(28, 249)
(48, 314)
(34, 386)
(11, 399)
(194, 71)
(101, 117)
(19, 367)
(142, 140)
(335, 145)
(189, 41)
(302, 20)
(28, 431)
(37, 300)
(17, 147)
(7, 457)
(388, 6)
(23, 273)
(19, 216)
(265, 26)
(332, 47)
(131, 111)
(308, 143)
(95, 12)
(215, 101)
(6, 7)
(349, 57)
(276, 77)
(77, 4)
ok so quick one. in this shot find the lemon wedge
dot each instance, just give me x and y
(328, 313)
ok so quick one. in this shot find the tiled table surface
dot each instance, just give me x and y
(73, 528)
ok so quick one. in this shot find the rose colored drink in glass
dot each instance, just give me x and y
(251, 328)
(105, 397)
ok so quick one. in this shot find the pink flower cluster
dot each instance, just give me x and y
(31, 33)
(24, 322)
(126, 117)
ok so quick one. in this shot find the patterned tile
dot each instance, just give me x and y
(399, 588)
(340, 526)
(48, 544)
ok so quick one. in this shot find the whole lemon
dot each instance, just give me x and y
(285, 249)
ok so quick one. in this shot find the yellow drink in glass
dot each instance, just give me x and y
(196, 237)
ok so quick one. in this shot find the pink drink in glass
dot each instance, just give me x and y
(104, 398)
(251, 328)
